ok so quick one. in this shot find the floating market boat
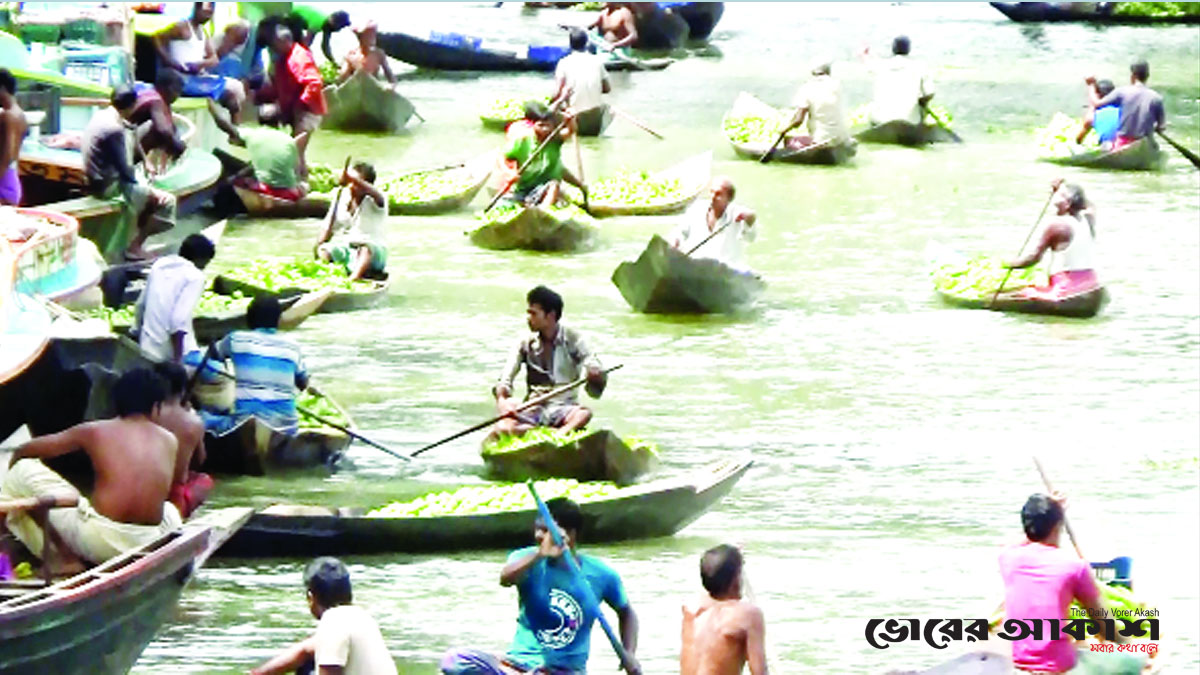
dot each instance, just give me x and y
(701, 17)
(259, 205)
(693, 175)
(1143, 154)
(52, 262)
(595, 455)
(1094, 12)
(747, 105)
(364, 103)
(536, 229)
(656, 509)
(24, 329)
(902, 132)
(339, 300)
(255, 448)
(463, 180)
(212, 326)
(663, 280)
(459, 52)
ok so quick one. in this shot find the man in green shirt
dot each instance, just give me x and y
(538, 184)
(275, 160)
(315, 21)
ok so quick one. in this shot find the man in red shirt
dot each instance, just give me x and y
(300, 101)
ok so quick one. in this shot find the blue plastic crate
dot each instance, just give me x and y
(547, 54)
(456, 40)
(1115, 572)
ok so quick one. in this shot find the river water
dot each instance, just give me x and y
(892, 436)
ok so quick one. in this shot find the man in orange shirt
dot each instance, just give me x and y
(300, 101)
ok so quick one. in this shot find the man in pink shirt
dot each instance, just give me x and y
(298, 90)
(1040, 581)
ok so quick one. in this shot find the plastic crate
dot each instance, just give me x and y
(106, 66)
(456, 40)
(40, 32)
(547, 54)
(84, 30)
(1115, 572)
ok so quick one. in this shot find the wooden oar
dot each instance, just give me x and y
(583, 586)
(524, 406)
(635, 122)
(1027, 238)
(537, 151)
(352, 434)
(709, 237)
(940, 123)
(766, 156)
(29, 503)
(1066, 523)
(579, 161)
(1191, 156)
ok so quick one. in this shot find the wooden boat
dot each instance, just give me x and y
(297, 308)
(478, 168)
(363, 103)
(599, 455)
(593, 122)
(54, 263)
(1098, 13)
(1083, 305)
(536, 229)
(1143, 154)
(338, 301)
(665, 281)
(747, 105)
(24, 327)
(656, 509)
(101, 620)
(701, 17)
(659, 26)
(259, 205)
(464, 53)
(902, 132)
(693, 174)
(255, 448)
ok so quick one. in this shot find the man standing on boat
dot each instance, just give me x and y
(367, 56)
(581, 80)
(1069, 238)
(153, 109)
(553, 355)
(109, 175)
(716, 228)
(134, 461)
(163, 317)
(722, 633)
(1141, 107)
(554, 626)
(820, 102)
(185, 48)
(12, 133)
(189, 488)
(1040, 582)
(298, 90)
(359, 223)
(902, 85)
(538, 184)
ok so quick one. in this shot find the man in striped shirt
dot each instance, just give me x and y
(268, 368)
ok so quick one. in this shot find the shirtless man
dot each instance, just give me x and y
(188, 488)
(134, 461)
(617, 26)
(367, 56)
(12, 132)
(722, 632)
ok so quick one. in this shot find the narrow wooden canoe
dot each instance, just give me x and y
(1101, 13)
(701, 17)
(425, 53)
(338, 300)
(296, 309)
(656, 509)
(478, 169)
(747, 105)
(1083, 305)
(259, 205)
(1143, 154)
(901, 132)
(101, 620)
(665, 281)
(255, 448)
(594, 122)
(600, 455)
(693, 173)
(364, 103)
(535, 229)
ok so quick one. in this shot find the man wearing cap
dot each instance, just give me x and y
(367, 56)
(581, 80)
(819, 102)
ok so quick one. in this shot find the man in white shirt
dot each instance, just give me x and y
(716, 228)
(347, 641)
(173, 287)
(902, 86)
(354, 235)
(581, 82)
(820, 102)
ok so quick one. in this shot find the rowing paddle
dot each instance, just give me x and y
(352, 434)
(1066, 523)
(766, 156)
(582, 182)
(635, 122)
(706, 239)
(537, 151)
(584, 587)
(1191, 156)
(1027, 238)
(524, 406)
(940, 123)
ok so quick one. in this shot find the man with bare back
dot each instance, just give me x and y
(12, 132)
(134, 461)
(617, 25)
(722, 632)
(189, 488)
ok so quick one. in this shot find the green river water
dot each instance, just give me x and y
(891, 435)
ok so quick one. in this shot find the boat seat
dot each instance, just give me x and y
(87, 207)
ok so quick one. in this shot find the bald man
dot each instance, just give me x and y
(716, 228)
(722, 633)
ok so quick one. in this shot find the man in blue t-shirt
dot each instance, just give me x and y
(554, 625)
(1107, 120)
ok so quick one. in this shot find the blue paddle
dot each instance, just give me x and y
(589, 598)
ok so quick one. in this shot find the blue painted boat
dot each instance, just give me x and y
(452, 51)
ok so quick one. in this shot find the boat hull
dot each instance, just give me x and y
(601, 455)
(338, 300)
(657, 509)
(534, 229)
(436, 56)
(254, 448)
(693, 174)
(1143, 154)
(480, 169)
(901, 132)
(363, 103)
(259, 205)
(1084, 305)
(665, 281)
(1043, 12)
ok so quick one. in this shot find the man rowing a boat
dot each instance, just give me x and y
(1141, 107)
(367, 56)
(554, 625)
(12, 133)
(903, 87)
(354, 232)
(1069, 238)
(820, 102)
(722, 633)
(1040, 582)
(581, 81)
(716, 228)
(539, 183)
(553, 355)
(134, 462)
(189, 488)
(617, 24)
(163, 316)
